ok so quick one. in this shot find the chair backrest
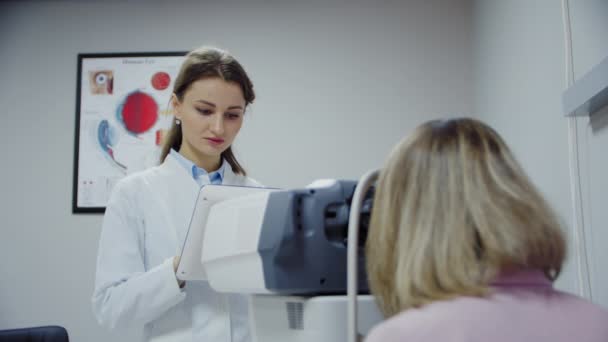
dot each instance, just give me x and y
(35, 334)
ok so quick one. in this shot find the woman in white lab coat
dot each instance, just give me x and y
(148, 213)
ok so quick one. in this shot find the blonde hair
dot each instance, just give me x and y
(452, 209)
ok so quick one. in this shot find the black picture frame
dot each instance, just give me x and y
(84, 198)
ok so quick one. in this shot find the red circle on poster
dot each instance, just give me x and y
(139, 112)
(161, 80)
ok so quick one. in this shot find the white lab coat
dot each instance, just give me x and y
(144, 227)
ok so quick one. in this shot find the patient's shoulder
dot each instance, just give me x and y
(420, 324)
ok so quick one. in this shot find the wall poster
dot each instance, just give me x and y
(122, 113)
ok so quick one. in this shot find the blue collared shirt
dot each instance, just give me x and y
(201, 176)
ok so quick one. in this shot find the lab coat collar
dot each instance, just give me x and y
(172, 166)
(229, 176)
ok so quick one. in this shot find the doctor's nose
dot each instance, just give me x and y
(217, 126)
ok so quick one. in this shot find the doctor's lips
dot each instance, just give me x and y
(215, 141)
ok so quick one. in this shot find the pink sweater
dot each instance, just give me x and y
(523, 307)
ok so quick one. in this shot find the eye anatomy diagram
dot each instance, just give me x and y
(138, 113)
(101, 82)
(107, 138)
(160, 80)
(123, 116)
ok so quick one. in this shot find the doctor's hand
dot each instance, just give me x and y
(180, 283)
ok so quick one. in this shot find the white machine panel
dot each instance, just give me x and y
(190, 266)
(230, 246)
(306, 319)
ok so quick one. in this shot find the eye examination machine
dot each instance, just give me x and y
(295, 253)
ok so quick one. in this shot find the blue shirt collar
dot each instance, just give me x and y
(198, 174)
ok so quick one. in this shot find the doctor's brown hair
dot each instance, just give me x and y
(206, 62)
(453, 209)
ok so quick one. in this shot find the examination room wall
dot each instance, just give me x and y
(519, 76)
(338, 84)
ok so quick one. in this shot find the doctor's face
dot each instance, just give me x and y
(211, 114)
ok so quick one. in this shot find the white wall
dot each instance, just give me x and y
(337, 86)
(519, 77)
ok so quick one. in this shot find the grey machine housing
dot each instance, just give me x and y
(303, 240)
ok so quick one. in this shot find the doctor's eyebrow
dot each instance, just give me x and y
(213, 104)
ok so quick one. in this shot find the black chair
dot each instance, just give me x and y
(35, 334)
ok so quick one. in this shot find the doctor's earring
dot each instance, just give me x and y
(178, 121)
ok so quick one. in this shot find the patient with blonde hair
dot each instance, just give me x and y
(463, 247)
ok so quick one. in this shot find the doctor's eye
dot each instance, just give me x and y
(204, 111)
(233, 116)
